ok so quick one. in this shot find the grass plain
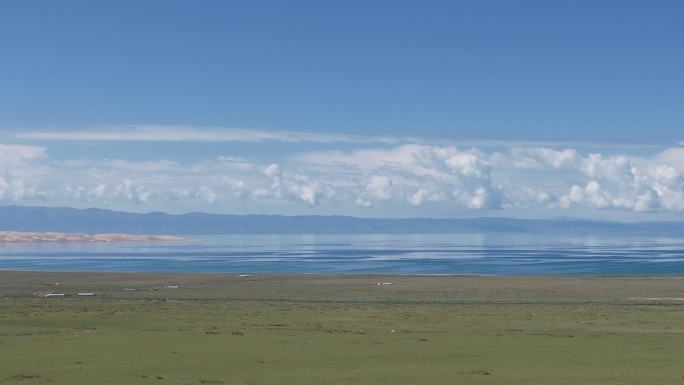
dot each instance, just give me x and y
(326, 330)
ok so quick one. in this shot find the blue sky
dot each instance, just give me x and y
(372, 108)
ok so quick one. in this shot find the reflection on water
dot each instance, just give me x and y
(497, 254)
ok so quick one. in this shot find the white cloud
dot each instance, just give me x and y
(17, 190)
(235, 163)
(239, 187)
(206, 194)
(17, 168)
(414, 176)
(426, 194)
(4, 187)
(376, 187)
(12, 153)
(419, 173)
(474, 179)
(162, 133)
(149, 167)
(186, 133)
(296, 187)
(673, 157)
(86, 194)
(276, 184)
(132, 191)
(271, 170)
(618, 182)
(617, 168)
(536, 158)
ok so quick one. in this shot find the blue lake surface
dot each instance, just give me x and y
(482, 254)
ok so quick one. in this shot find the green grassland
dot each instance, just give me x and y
(326, 330)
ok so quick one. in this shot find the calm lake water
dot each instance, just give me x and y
(484, 254)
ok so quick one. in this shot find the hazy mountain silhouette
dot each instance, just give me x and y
(63, 219)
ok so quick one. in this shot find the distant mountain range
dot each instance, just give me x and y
(58, 219)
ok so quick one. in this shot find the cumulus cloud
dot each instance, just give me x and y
(537, 158)
(17, 168)
(413, 175)
(520, 178)
(132, 191)
(275, 184)
(272, 170)
(239, 187)
(206, 194)
(416, 173)
(620, 183)
(374, 188)
(17, 190)
(86, 194)
(428, 193)
(592, 194)
(283, 186)
(673, 157)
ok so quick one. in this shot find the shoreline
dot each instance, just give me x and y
(324, 274)
(27, 237)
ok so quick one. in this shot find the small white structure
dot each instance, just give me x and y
(172, 286)
(54, 295)
(130, 289)
(86, 294)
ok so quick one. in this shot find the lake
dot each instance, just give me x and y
(480, 254)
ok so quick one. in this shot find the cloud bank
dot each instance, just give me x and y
(380, 173)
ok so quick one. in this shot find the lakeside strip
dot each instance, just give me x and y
(46, 237)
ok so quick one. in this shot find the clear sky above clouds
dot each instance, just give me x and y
(372, 108)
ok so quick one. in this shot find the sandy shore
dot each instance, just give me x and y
(28, 237)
